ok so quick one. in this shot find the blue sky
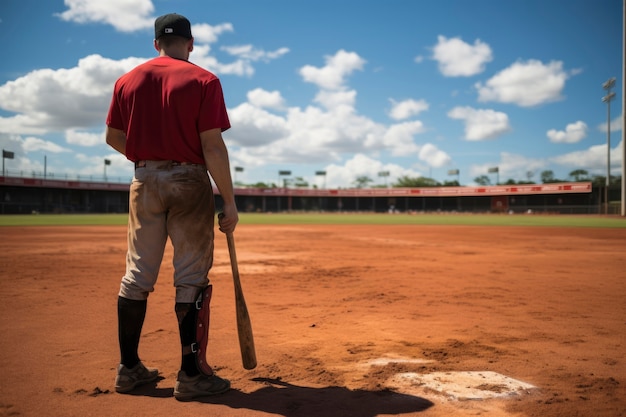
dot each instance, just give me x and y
(353, 88)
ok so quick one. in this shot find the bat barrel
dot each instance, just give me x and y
(244, 326)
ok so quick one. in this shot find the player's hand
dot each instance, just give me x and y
(228, 219)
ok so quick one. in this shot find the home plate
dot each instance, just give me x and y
(460, 386)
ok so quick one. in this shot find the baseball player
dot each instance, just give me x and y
(167, 116)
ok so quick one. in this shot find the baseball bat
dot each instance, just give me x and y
(244, 326)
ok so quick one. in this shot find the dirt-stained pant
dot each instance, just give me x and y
(175, 201)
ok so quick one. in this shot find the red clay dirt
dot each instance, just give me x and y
(338, 313)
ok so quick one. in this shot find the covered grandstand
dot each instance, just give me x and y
(28, 195)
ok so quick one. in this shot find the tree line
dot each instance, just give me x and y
(546, 177)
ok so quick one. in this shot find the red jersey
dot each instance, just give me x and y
(162, 105)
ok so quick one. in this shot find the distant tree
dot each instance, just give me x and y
(453, 183)
(300, 182)
(406, 181)
(482, 180)
(510, 181)
(598, 181)
(262, 185)
(579, 175)
(548, 177)
(529, 176)
(362, 181)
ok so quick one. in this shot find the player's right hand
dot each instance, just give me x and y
(228, 219)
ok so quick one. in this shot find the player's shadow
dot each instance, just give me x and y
(152, 390)
(289, 400)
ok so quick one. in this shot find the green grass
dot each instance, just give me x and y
(62, 219)
(345, 219)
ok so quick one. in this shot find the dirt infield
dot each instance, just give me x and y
(349, 321)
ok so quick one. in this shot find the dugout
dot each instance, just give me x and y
(27, 195)
(557, 203)
(569, 198)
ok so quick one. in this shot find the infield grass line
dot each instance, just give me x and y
(343, 219)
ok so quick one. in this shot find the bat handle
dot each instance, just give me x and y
(230, 239)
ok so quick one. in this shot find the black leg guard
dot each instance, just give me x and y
(193, 325)
(130, 317)
(186, 314)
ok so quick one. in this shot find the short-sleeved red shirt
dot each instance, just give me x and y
(162, 105)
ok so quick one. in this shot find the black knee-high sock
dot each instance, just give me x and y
(130, 317)
(186, 314)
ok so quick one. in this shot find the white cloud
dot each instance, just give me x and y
(526, 84)
(21, 146)
(11, 142)
(363, 165)
(457, 58)
(123, 15)
(592, 158)
(481, 124)
(573, 133)
(33, 144)
(250, 53)
(205, 33)
(74, 137)
(201, 57)
(407, 108)
(336, 99)
(135, 15)
(332, 75)
(511, 166)
(33, 124)
(312, 134)
(254, 126)
(616, 125)
(268, 99)
(49, 100)
(399, 138)
(242, 66)
(434, 156)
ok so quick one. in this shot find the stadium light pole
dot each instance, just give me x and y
(106, 162)
(495, 170)
(6, 155)
(384, 174)
(624, 108)
(457, 173)
(283, 173)
(608, 85)
(237, 169)
(322, 173)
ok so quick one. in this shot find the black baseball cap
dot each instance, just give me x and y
(172, 24)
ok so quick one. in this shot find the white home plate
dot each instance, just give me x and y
(460, 385)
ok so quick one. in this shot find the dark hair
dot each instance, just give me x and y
(166, 41)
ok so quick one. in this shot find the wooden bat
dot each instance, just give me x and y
(244, 326)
